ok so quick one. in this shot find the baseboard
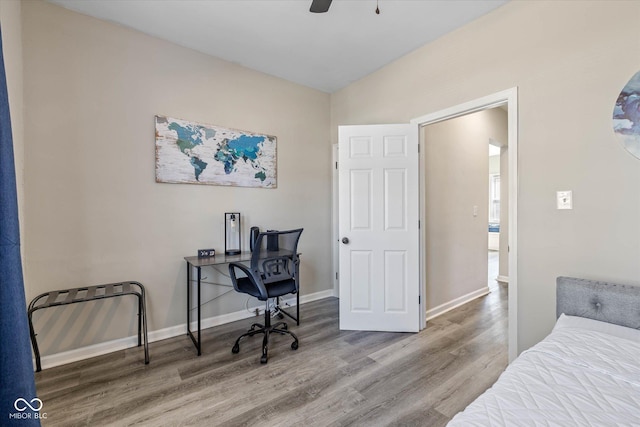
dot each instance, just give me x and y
(443, 308)
(502, 279)
(94, 350)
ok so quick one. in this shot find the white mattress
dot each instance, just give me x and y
(574, 377)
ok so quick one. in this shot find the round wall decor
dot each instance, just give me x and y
(626, 116)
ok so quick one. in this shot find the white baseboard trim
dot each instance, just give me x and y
(502, 279)
(443, 308)
(94, 350)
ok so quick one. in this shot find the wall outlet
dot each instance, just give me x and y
(564, 199)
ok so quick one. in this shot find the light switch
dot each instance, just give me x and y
(564, 199)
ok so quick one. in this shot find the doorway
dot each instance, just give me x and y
(507, 99)
(459, 216)
(498, 204)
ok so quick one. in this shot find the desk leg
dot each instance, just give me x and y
(188, 297)
(199, 317)
(189, 332)
(284, 312)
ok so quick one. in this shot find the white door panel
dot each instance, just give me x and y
(378, 215)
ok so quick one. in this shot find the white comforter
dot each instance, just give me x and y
(574, 377)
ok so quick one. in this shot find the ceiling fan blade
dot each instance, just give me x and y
(320, 6)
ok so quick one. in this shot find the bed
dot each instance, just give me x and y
(586, 372)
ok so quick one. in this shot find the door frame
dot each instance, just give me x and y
(510, 98)
(335, 249)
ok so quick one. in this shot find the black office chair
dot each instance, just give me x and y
(274, 272)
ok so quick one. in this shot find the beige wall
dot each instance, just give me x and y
(94, 213)
(569, 60)
(456, 180)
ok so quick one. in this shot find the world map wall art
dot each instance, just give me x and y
(626, 116)
(194, 153)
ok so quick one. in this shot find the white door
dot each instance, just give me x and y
(378, 231)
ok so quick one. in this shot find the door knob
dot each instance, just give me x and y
(345, 240)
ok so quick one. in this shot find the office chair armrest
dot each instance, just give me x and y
(255, 279)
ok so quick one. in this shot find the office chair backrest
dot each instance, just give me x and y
(275, 255)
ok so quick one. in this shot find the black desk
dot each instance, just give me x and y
(198, 263)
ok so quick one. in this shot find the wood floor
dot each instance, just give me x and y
(335, 378)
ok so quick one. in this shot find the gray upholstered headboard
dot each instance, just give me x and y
(607, 302)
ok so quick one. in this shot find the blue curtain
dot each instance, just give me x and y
(20, 405)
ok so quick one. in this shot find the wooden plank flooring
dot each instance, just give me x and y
(335, 378)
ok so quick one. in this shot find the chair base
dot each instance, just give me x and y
(266, 330)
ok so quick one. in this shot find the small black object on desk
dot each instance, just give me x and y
(205, 253)
(253, 236)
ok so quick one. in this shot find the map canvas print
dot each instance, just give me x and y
(194, 153)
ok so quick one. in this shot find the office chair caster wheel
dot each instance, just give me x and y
(280, 316)
(263, 359)
(285, 327)
(294, 345)
(235, 349)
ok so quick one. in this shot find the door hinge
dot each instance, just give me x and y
(336, 275)
(419, 299)
(418, 224)
(336, 165)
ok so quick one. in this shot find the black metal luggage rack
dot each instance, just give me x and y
(91, 293)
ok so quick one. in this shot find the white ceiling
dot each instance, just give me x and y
(281, 37)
